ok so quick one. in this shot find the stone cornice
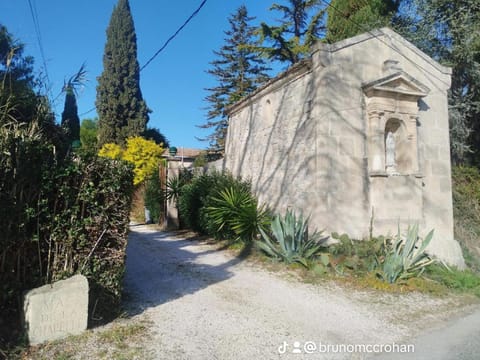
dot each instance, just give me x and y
(385, 35)
(398, 83)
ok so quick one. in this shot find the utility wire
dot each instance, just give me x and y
(362, 27)
(87, 112)
(174, 35)
(36, 25)
(195, 13)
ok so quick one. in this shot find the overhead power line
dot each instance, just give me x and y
(87, 112)
(195, 13)
(36, 26)
(174, 35)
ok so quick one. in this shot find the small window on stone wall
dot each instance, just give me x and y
(398, 158)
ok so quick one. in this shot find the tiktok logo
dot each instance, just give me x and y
(282, 349)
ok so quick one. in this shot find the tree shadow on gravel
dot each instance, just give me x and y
(162, 267)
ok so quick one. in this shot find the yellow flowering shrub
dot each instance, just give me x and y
(112, 151)
(145, 155)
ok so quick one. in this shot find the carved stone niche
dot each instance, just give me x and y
(392, 108)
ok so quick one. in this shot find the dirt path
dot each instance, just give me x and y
(207, 304)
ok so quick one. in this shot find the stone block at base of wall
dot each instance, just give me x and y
(56, 310)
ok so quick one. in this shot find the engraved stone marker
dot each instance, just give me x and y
(56, 310)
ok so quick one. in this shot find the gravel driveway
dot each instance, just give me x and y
(208, 304)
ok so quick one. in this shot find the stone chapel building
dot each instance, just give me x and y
(356, 137)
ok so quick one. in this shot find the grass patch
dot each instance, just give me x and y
(122, 340)
(118, 334)
(465, 281)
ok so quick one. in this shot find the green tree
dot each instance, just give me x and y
(88, 134)
(70, 119)
(449, 31)
(20, 99)
(301, 25)
(17, 81)
(122, 111)
(154, 134)
(154, 196)
(347, 18)
(238, 71)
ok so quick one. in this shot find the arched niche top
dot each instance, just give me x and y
(399, 83)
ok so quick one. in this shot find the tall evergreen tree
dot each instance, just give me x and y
(70, 119)
(121, 109)
(449, 31)
(301, 25)
(238, 70)
(347, 18)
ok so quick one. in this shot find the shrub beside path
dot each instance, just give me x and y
(208, 304)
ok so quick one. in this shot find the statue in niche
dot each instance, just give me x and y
(390, 163)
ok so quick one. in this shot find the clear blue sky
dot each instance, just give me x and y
(73, 32)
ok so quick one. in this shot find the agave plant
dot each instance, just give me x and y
(290, 241)
(406, 258)
(235, 210)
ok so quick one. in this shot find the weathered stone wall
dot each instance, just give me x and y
(314, 140)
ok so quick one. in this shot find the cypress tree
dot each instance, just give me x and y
(121, 109)
(238, 69)
(70, 119)
(347, 18)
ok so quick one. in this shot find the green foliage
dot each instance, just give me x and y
(466, 212)
(201, 160)
(234, 210)
(58, 215)
(238, 71)
(197, 196)
(17, 92)
(85, 221)
(359, 256)
(74, 220)
(300, 27)
(289, 240)
(454, 279)
(121, 109)
(175, 185)
(347, 18)
(88, 135)
(448, 31)
(155, 135)
(403, 259)
(154, 197)
(70, 119)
